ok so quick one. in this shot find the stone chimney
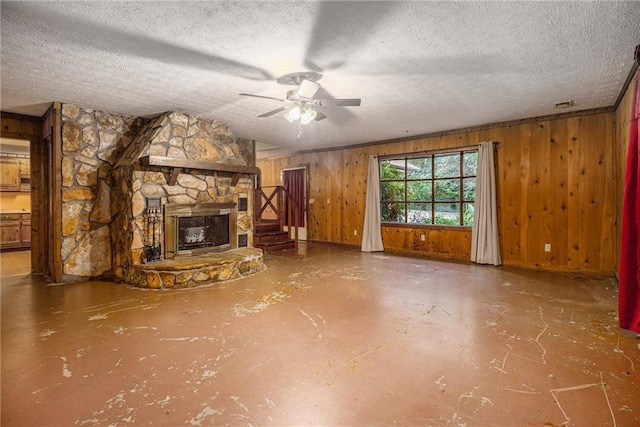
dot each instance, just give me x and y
(105, 188)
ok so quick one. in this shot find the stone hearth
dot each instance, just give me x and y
(198, 270)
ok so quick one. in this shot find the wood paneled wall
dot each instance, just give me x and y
(19, 127)
(557, 184)
(623, 121)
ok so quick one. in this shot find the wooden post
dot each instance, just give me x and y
(280, 213)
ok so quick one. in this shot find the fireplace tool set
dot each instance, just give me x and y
(152, 248)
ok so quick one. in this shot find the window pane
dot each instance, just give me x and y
(469, 190)
(470, 163)
(447, 165)
(419, 213)
(392, 191)
(392, 169)
(447, 213)
(429, 189)
(447, 190)
(392, 212)
(467, 214)
(419, 168)
(419, 191)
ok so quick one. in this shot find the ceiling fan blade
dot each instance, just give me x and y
(80, 33)
(260, 96)
(353, 102)
(330, 45)
(272, 112)
(319, 116)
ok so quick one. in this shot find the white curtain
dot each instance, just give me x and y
(371, 233)
(485, 245)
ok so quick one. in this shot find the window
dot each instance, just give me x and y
(432, 189)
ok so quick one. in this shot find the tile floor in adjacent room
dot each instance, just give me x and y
(15, 263)
(325, 336)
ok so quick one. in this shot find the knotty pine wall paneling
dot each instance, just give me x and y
(559, 179)
(335, 186)
(556, 184)
(325, 220)
(354, 182)
(606, 176)
(596, 175)
(314, 207)
(573, 195)
(19, 127)
(510, 169)
(357, 195)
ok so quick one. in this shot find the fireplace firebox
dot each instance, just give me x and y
(193, 229)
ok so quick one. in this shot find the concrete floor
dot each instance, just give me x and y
(326, 336)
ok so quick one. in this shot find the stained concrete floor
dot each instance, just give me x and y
(324, 336)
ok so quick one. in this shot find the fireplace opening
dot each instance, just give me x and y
(191, 229)
(203, 231)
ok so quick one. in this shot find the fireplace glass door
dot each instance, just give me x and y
(209, 231)
(195, 229)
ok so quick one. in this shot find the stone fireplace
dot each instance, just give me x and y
(196, 169)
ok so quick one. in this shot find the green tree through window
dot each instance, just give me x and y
(436, 189)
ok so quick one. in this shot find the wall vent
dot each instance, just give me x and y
(243, 204)
(564, 104)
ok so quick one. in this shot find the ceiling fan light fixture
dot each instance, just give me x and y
(307, 115)
(293, 114)
(304, 114)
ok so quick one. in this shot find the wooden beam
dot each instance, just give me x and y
(145, 134)
(56, 268)
(235, 179)
(174, 176)
(197, 164)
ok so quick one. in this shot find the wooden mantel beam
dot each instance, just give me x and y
(197, 164)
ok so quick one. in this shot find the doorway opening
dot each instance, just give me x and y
(15, 207)
(294, 180)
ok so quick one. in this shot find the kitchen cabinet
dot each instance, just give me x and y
(10, 231)
(9, 174)
(25, 230)
(15, 230)
(24, 169)
(15, 174)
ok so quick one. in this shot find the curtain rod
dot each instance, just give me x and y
(436, 151)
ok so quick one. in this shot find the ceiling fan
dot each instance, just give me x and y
(300, 103)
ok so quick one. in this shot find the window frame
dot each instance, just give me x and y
(432, 155)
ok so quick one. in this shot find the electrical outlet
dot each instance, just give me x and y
(328, 201)
(355, 232)
(547, 247)
(423, 237)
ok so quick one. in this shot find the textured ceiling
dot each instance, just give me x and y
(419, 67)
